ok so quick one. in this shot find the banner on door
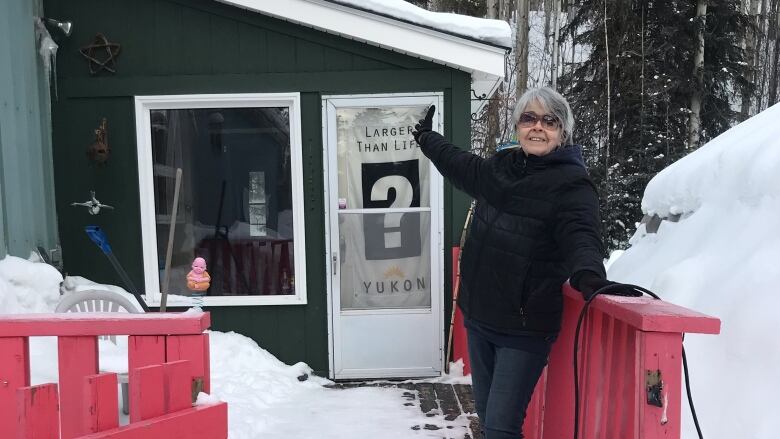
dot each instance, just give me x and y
(385, 257)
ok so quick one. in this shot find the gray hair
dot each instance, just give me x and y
(552, 102)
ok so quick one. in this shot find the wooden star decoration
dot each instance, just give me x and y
(101, 54)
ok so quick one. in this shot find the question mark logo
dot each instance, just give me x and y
(387, 185)
(401, 190)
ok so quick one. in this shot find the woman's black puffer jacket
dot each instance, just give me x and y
(536, 223)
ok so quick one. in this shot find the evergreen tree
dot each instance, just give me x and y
(651, 78)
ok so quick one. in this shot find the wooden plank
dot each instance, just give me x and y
(427, 398)
(14, 373)
(87, 324)
(38, 408)
(101, 405)
(194, 348)
(147, 399)
(177, 381)
(145, 350)
(401, 81)
(660, 352)
(447, 400)
(200, 422)
(648, 314)
(78, 358)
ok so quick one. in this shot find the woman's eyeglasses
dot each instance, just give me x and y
(549, 121)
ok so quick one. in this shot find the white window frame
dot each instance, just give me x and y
(143, 105)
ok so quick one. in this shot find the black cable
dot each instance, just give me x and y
(583, 313)
(690, 398)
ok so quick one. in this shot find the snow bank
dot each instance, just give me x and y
(721, 259)
(27, 286)
(742, 163)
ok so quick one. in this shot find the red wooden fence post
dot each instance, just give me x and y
(178, 385)
(78, 358)
(147, 398)
(101, 406)
(194, 348)
(38, 408)
(14, 373)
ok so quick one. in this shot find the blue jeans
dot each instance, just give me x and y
(503, 381)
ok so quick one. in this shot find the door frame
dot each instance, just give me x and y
(436, 202)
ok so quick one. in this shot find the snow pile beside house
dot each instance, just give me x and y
(721, 258)
(29, 287)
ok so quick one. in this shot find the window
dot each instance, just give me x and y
(240, 198)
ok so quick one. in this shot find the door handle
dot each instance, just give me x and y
(335, 261)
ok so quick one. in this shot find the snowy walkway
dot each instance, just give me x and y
(453, 401)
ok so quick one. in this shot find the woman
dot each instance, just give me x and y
(536, 224)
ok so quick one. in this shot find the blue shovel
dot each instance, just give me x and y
(97, 236)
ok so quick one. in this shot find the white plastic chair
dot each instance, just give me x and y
(101, 301)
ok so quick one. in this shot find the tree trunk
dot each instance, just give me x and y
(694, 121)
(556, 44)
(492, 9)
(763, 38)
(609, 107)
(506, 9)
(437, 5)
(773, 79)
(521, 48)
(751, 8)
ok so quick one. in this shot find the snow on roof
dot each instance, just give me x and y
(491, 31)
(742, 164)
(470, 44)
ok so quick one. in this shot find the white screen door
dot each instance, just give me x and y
(384, 231)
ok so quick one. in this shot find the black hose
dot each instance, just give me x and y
(583, 313)
(690, 398)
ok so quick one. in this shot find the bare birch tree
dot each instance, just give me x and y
(694, 120)
(521, 47)
(492, 9)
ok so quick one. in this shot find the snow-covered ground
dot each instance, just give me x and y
(265, 396)
(721, 258)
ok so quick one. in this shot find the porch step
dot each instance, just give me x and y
(451, 400)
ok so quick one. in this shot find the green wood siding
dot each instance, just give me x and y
(201, 46)
(27, 216)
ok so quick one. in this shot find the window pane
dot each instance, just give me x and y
(380, 165)
(385, 260)
(235, 199)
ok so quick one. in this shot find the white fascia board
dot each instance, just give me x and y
(460, 53)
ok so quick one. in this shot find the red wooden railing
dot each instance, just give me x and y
(168, 356)
(630, 370)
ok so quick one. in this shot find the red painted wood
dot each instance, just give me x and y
(658, 351)
(143, 350)
(534, 415)
(559, 403)
(147, 398)
(194, 348)
(200, 422)
(102, 407)
(178, 385)
(78, 358)
(84, 324)
(460, 346)
(14, 373)
(38, 412)
(648, 314)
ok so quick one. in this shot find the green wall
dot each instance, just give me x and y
(200, 46)
(27, 218)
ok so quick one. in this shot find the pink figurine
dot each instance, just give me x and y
(198, 279)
